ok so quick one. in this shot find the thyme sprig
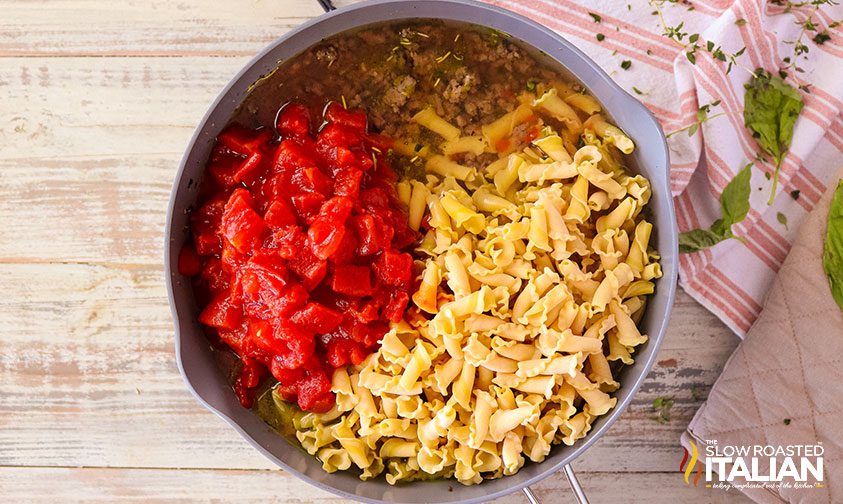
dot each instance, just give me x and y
(702, 116)
(691, 43)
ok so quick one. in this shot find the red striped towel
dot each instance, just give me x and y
(732, 278)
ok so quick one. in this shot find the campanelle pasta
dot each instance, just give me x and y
(537, 268)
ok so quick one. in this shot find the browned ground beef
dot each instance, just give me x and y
(470, 75)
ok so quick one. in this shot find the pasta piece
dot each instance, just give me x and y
(558, 109)
(552, 146)
(441, 165)
(610, 134)
(501, 129)
(583, 102)
(474, 144)
(463, 216)
(430, 120)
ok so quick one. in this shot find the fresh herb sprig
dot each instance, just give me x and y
(771, 107)
(734, 206)
(701, 117)
(691, 44)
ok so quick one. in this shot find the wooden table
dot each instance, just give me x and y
(97, 102)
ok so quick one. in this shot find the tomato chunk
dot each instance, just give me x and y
(352, 280)
(241, 225)
(298, 251)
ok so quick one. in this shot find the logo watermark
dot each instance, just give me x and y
(753, 466)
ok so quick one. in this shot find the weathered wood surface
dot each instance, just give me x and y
(239, 486)
(91, 405)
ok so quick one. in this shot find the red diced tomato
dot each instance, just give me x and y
(248, 171)
(207, 244)
(394, 308)
(290, 155)
(221, 313)
(262, 334)
(318, 318)
(263, 251)
(247, 381)
(307, 205)
(336, 113)
(284, 375)
(241, 225)
(311, 179)
(287, 240)
(309, 268)
(327, 231)
(189, 263)
(292, 298)
(345, 253)
(279, 214)
(240, 140)
(215, 278)
(380, 142)
(394, 268)
(293, 121)
(348, 182)
(369, 334)
(314, 391)
(352, 280)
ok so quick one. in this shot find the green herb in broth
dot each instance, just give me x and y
(277, 413)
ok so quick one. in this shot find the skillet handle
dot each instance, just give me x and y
(327, 5)
(572, 480)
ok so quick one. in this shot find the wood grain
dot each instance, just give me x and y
(127, 486)
(62, 28)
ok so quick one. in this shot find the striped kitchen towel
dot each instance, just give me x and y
(800, 38)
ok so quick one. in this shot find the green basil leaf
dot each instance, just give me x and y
(721, 228)
(699, 239)
(771, 107)
(734, 202)
(833, 248)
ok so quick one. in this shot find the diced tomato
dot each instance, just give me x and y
(214, 277)
(345, 253)
(189, 263)
(308, 267)
(394, 308)
(327, 231)
(292, 298)
(336, 113)
(241, 140)
(318, 318)
(293, 121)
(287, 240)
(290, 155)
(279, 214)
(369, 334)
(274, 221)
(348, 182)
(205, 223)
(241, 225)
(394, 268)
(248, 171)
(352, 280)
(307, 205)
(503, 145)
(247, 381)
(314, 391)
(221, 313)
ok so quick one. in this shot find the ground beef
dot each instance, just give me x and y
(468, 74)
